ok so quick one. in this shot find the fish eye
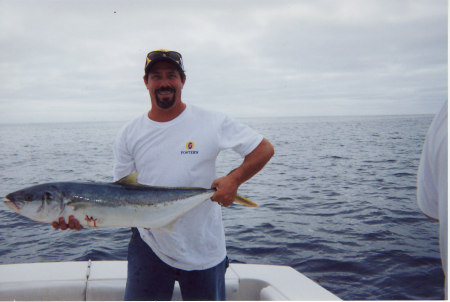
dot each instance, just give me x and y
(28, 197)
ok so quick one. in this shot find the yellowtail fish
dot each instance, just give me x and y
(125, 203)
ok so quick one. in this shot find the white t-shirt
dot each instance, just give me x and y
(183, 152)
(432, 177)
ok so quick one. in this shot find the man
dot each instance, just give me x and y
(432, 180)
(173, 145)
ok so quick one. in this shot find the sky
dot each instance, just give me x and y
(83, 60)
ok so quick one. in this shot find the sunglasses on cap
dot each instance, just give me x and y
(163, 54)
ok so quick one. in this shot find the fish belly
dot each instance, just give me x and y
(158, 216)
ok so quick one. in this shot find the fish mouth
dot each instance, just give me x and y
(11, 204)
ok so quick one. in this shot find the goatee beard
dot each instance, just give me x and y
(165, 102)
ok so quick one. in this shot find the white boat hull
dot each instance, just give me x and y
(105, 280)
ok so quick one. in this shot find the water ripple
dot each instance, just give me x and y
(337, 202)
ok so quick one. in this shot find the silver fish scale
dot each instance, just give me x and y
(117, 194)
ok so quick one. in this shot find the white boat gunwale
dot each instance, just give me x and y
(105, 280)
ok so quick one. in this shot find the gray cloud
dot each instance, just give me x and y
(83, 60)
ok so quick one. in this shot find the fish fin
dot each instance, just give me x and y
(132, 180)
(244, 201)
(168, 227)
(129, 180)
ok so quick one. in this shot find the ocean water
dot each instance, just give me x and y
(337, 202)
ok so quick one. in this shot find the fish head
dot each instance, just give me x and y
(41, 203)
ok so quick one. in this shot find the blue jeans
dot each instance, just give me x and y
(149, 278)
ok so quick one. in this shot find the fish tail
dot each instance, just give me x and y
(244, 201)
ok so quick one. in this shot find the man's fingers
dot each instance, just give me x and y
(224, 201)
(72, 223)
(55, 225)
(62, 223)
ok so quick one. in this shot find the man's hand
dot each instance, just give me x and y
(227, 186)
(73, 224)
(226, 190)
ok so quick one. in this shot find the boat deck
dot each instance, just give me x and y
(105, 280)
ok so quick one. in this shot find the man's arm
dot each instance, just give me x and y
(227, 186)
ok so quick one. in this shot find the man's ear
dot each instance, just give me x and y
(145, 78)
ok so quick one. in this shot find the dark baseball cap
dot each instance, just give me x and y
(164, 55)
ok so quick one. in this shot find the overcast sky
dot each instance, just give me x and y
(83, 60)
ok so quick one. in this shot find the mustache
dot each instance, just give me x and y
(164, 89)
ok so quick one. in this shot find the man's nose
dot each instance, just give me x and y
(165, 82)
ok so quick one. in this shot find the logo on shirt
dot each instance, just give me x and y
(189, 148)
(190, 145)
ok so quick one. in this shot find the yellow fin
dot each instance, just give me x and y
(129, 180)
(169, 227)
(244, 201)
(132, 180)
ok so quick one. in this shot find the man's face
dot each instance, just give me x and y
(164, 84)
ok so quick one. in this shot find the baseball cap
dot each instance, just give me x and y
(163, 55)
